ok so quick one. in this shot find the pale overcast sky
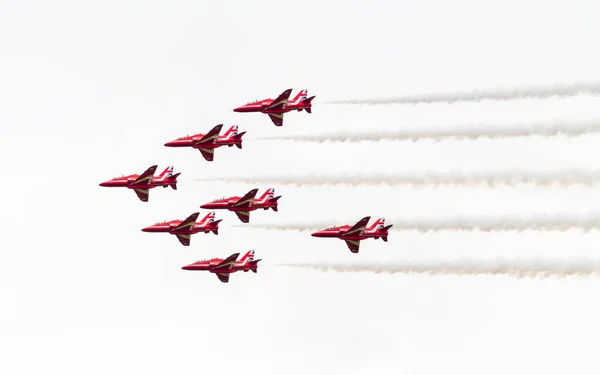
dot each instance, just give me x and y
(90, 90)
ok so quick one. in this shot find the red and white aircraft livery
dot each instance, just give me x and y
(207, 143)
(275, 108)
(183, 229)
(356, 233)
(225, 267)
(242, 206)
(141, 184)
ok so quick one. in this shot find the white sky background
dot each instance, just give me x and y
(92, 90)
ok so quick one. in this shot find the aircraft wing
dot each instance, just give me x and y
(208, 153)
(145, 177)
(246, 200)
(210, 137)
(226, 263)
(280, 101)
(224, 277)
(358, 227)
(143, 194)
(353, 245)
(184, 239)
(244, 216)
(187, 223)
(276, 118)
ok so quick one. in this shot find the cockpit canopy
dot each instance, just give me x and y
(221, 199)
(190, 136)
(124, 176)
(163, 222)
(257, 101)
(204, 261)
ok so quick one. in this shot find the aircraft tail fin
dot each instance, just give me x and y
(247, 258)
(254, 265)
(231, 133)
(302, 95)
(209, 218)
(215, 230)
(274, 201)
(377, 225)
(268, 194)
(307, 102)
(238, 139)
(173, 178)
(385, 230)
(168, 172)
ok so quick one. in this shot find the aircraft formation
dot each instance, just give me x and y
(243, 205)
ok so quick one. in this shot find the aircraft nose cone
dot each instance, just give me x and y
(316, 234)
(103, 184)
(205, 206)
(147, 229)
(169, 144)
(241, 108)
(186, 268)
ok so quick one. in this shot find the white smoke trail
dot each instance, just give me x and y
(500, 93)
(424, 178)
(518, 268)
(466, 131)
(539, 222)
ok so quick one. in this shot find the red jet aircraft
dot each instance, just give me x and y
(225, 267)
(207, 143)
(142, 184)
(183, 229)
(242, 206)
(275, 108)
(353, 235)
